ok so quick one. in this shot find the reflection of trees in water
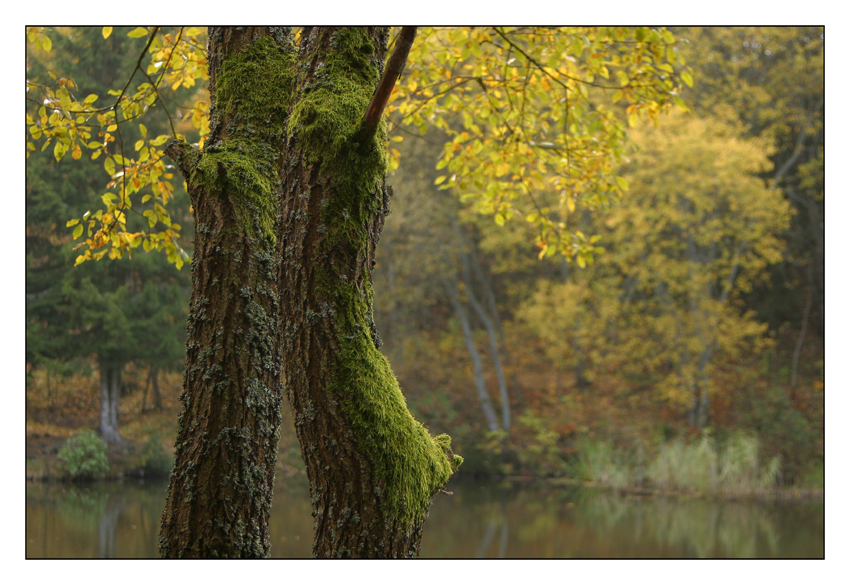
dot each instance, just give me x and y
(519, 520)
(81, 506)
(100, 520)
(496, 519)
(107, 527)
(689, 528)
(573, 521)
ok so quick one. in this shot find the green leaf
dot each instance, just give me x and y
(109, 165)
(78, 231)
(681, 103)
(71, 222)
(59, 150)
(688, 78)
(137, 32)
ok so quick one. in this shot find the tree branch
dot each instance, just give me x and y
(185, 155)
(392, 71)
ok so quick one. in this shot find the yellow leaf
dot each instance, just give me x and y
(137, 32)
(59, 150)
(107, 30)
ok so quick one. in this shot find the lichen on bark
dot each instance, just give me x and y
(289, 199)
(221, 488)
(407, 464)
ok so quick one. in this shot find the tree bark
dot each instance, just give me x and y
(110, 397)
(289, 201)
(220, 492)
(373, 468)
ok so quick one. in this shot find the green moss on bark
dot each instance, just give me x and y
(411, 464)
(252, 94)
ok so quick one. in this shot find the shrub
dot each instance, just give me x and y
(156, 461)
(84, 455)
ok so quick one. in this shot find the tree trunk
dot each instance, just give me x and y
(494, 344)
(477, 368)
(110, 397)
(157, 393)
(220, 493)
(289, 202)
(152, 383)
(373, 468)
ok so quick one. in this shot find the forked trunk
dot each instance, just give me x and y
(289, 200)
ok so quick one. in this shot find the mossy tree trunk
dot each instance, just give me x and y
(289, 202)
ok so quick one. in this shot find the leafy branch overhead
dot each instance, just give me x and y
(537, 116)
(535, 122)
(140, 181)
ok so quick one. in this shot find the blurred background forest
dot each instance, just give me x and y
(690, 351)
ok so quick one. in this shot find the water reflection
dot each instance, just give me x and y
(482, 519)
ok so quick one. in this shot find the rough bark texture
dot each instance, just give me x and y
(373, 469)
(289, 202)
(220, 494)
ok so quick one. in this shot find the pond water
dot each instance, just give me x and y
(482, 519)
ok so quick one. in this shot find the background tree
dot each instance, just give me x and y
(773, 79)
(98, 310)
(697, 230)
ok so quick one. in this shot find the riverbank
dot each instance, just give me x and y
(125, 463)
(778, 493)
